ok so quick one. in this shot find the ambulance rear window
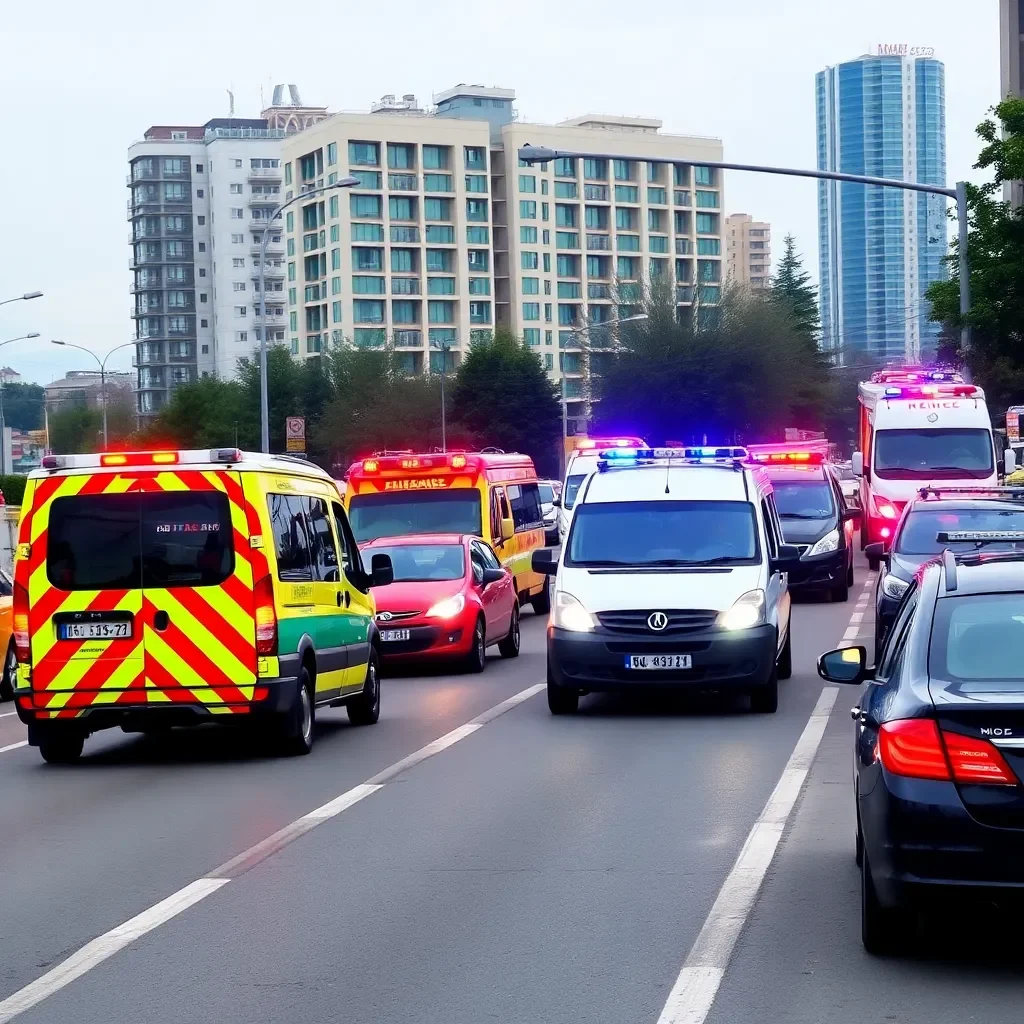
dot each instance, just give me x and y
(127, 541)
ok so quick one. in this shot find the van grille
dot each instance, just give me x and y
(679, 621)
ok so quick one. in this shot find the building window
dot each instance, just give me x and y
(401, 157)
(440, 285)
(528, 209)
(528, 260)
(241, 311)
(200, 221)
(332, 153)
(531, 286)
(440, 234)
(624, 170)
(476, 158)
(367, 311)
(476, 209)
(366, 154)
(367, 285)
(437, 209)
(479, 259)
(435, 158)
(365, 206)
(565, 167)
(528, 235)
(703, 176)
(527, 183)
(440, 311)
(531, 336)
(595, 169)
(402, 208)
(402, 261)
(531, 310)
(367, 232)
(478, 235)
(707, 223)
(476, 182)
(403, 311)
(707, 199)
(479, 286)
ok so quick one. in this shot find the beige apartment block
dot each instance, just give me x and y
(748, 251)
(406, 256)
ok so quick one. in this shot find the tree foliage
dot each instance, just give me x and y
(995, 250)
(23, 406)
(744, 374)
(792, 288)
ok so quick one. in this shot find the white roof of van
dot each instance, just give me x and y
(685, 483)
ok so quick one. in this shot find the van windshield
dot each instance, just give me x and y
(397, 514)
(663, 533)
(128, 541)
(933, 454)
(572, 488)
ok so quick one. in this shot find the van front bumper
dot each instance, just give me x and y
(721, 659)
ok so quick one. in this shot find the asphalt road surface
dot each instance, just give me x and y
(470, 859)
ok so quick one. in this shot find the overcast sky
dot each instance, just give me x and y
(83, 81)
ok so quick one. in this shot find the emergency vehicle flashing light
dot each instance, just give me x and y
(590, 443)
(706, 455)
(932, 391)
(788, 458)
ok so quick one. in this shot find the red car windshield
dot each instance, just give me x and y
(424, 563)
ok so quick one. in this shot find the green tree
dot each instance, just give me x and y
(792, 287)
(23, 406)
(741, 375)
(995, 249)
(502, 396)
(77, 428)
(206, 413)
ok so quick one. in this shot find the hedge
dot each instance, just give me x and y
(13, 487)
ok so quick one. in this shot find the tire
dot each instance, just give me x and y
(10, 674)
(883, 930)
(562, 700)
(873, 564)
(365, 709)
(841, 593)
(476, 661)
(784, 666)
(542, 602)
(863, 535)
(765, 699)
(59, 746)
(858, 844)
(849, 574)
(509, 647)
(295, 728)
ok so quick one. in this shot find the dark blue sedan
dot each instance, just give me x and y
(939, 747)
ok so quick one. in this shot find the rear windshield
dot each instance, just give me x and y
(572, 487)
(127, 541)
(921, 529)
(977, 643)
(424, 563)
(547, 493)
(803, 499)
(395, 514)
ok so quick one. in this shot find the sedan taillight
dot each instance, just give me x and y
(916, 748)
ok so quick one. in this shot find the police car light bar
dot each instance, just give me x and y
(730, 455)
(585, 444)
(979, 536)
(788, 458)
(1006, 493)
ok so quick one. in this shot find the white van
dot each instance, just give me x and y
(582, 461)
(673, 573)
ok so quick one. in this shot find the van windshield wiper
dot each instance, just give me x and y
(801, 515)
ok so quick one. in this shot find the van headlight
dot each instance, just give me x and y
(894, 587)
(747, 611)
(568, 613)
(830, 542)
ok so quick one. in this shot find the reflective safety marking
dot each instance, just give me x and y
(13, 746)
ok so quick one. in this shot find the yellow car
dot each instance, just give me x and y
(157, 589)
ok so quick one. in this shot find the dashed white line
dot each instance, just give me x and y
(8, 714)
(99, 949)
(13, 746)
(704, 968)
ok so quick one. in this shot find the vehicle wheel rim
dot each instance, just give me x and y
(515, 629)
(374, 687)
(12, 667)
(307, 714)
(480, 652)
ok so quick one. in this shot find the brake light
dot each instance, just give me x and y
(370, 465)
(912, 747)
(266, 617)
(915, 748)
(885, 508)
(19, 618)
(139, 459)
(976, 760)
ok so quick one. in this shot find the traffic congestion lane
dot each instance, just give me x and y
(543, 869)
(88, 846)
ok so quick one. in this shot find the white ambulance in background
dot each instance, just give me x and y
(580, 463)
(920, 428)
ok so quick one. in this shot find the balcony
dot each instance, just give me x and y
(596, 193)
(260, 199)
(408, 339)
(402, 182)
(262, 174)
(684, 247)
(271, 320)
(599, 243)
(273, 248)
(270, 273)
(257, 224)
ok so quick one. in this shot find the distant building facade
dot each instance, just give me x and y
(748, 251)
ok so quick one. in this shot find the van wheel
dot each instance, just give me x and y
(7, 680)
(765, 699)
(477, 659)
(295, 731)
(365, 709)
(509, 647)
(562, 700)
(59, 746)
(784, 667)
(542, 602)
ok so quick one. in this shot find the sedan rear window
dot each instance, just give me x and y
(977, 642)
(128, 541)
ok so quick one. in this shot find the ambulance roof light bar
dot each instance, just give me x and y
(788, 458)
(585, 444)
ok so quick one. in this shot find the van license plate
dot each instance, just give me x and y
(658, 661)
(95, 630)
(394, 634)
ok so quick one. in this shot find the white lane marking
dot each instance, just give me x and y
(856, 617)
(13, 746)
(99, 949)
(8, 714)
(852, 633)
(697, 985)
(105, 946)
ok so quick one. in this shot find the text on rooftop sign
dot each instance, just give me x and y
(903, 50)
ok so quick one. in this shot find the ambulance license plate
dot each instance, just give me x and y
(656, 662)
(394, 634)
(95, 630)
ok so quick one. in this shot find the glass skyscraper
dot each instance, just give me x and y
(880, 248)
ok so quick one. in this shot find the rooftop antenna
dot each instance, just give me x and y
(231, 103)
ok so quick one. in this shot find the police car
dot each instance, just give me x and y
(673, 574)
(580, 465)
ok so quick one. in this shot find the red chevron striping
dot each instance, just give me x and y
(60, 653)
(166, 684)
(226, 634)
(239, 593)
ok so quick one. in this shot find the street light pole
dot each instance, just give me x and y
(19, 298)
(264, 239)
(3, 422)
(445, 347)
(542, 154)
(103, 374)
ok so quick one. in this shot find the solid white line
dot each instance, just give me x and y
(13, 746)
(698, 982)
(8, 714)
(106, 945)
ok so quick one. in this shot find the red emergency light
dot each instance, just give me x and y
(789, 458)
(139, 459)
(590, 443)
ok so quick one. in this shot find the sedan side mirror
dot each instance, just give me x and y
(382, 572)
(492, 576)
(544, 562)
(875, 552)
(845, 665)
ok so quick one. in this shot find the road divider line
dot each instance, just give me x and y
(8, 714)
(13, 746)
(695, 989)
(105, 946)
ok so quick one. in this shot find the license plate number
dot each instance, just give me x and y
(388, 635)
(95, 630)
(655, 662)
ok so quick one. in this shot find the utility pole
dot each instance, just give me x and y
(444, 430)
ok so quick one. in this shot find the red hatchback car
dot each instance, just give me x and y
(450, 598)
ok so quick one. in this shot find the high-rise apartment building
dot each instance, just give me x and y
(748, 251)
(1011, 71)
(880, 248)
(448, 235)
(200, 195)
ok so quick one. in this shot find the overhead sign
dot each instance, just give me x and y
(295, 434)
(903, 50)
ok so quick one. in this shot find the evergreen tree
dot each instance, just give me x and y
(792, 287)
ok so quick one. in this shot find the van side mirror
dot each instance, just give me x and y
(508, 529)
(382, 572)
(787, 558)
(857, 463)
(556, 501)
(543, 562)
(852, 513)
(845, 665)
(1009, 462)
